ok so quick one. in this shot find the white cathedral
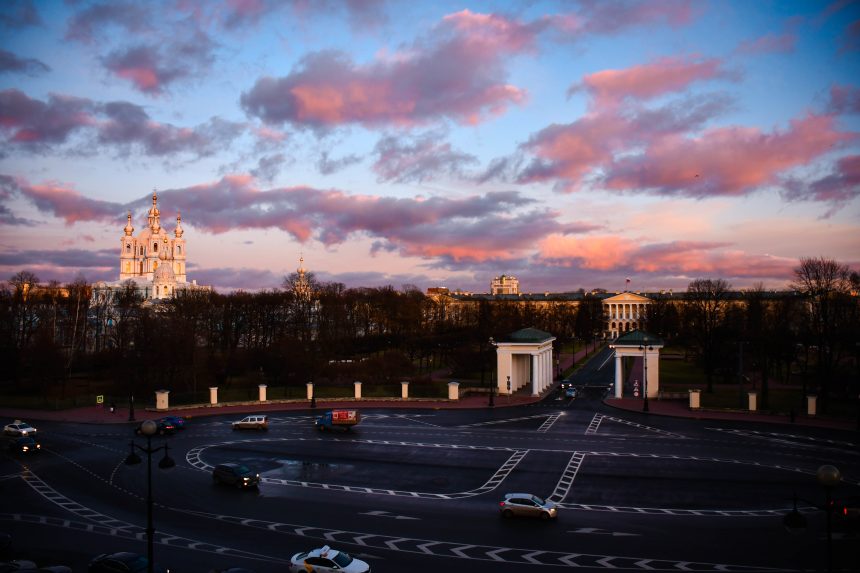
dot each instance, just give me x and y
(153, 259)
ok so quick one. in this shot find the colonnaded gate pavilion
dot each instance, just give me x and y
(525, 360)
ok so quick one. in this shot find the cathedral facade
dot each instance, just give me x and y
(154, 259)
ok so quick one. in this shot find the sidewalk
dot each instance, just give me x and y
(681, 409)
(102, 415)
(673, 408)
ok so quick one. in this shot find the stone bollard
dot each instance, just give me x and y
(453, 390)
(161, 400)
(811, 404)
(404, 390)
(752, 398)
(695, 395)
(310, 387)
(262, 388)
(357, 386)
(213, 395)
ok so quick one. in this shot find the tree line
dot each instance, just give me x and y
(54, 335)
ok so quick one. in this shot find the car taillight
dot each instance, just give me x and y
(501, 504)
(845, 510)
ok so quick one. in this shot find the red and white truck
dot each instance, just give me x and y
(344, 419)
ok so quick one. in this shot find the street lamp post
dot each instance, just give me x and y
(829, 477)
(131, 407)
(148, 429)
(645, 350)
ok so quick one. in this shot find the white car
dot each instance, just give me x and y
(19, 428)
(327, 560)
(253, 422)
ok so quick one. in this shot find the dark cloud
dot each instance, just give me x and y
(419, 158)
(152, 68)
(9, 63)
(844, 99)
(600, 17)
(74, 258)
(269, 166)
(93, 21)
(7, 217)
(851, 38)
(35, 125)
(327, 165)
(837, 188)
(18, 14)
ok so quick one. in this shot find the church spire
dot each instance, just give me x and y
(154, 214)
(128, 227)
(179, 231)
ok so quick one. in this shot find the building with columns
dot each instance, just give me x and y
(624, 313)
(525, 359)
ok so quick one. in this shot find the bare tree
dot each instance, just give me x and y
(825, 284)
(706, 305)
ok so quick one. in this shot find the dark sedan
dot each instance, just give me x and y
(177, 421)
(237, 475)
(162, 427)
(122, 562)
(24, 445)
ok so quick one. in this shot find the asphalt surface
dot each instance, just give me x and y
(416, 486)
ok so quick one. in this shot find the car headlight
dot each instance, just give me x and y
(25, 448)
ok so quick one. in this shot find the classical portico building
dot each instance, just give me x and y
(624, 312)
(525, 360)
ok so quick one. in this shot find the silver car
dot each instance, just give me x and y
(527, 505)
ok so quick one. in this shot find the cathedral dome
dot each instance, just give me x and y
(164, 273)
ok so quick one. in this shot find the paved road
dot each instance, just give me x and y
(418, 490)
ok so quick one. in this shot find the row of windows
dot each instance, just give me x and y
(177, 268)
(154, 249)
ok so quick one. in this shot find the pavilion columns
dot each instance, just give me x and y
(618, 376)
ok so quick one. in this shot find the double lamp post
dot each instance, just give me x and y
(148, 429)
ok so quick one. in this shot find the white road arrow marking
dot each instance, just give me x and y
(598, 531)
(379, 513)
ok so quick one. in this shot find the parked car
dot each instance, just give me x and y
(177, 421)
(527, 505)
(162, 427)
(570, 392)
(122, 562)
(237, 475)
(325, 560)
(24, 445)
(19, 428)
(254, 422)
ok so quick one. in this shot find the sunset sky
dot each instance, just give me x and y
(570, 144)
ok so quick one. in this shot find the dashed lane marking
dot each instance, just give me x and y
(194, 458)
(515, 555)
(505, 421)
(111, 526)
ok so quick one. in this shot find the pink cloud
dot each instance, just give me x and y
(665, 75)
(684, 258)
(725, 161)
(570, 152)
(66, 203)
(34, 122)
(457, 73)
